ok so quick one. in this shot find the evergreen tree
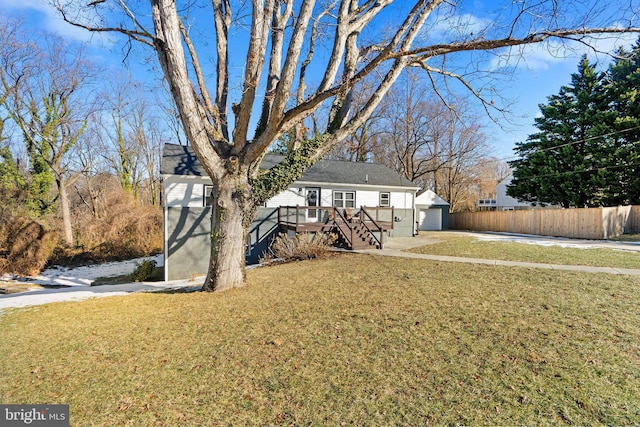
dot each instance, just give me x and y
(624, 91)
(563, 163)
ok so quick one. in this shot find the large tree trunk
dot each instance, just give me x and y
(231, 215)
(65, 210)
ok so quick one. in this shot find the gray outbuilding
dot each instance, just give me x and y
(432, 212)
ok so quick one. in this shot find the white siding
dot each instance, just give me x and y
(189, 192)
(367, 198)
(402, 200)
(326, 197)
(184, 194)
(288, 197)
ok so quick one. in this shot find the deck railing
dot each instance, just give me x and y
(301, 217)
(372, 219)
(379, 215)
(364, 215)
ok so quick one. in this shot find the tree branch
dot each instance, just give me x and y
(210, 109)
(222, 20)
(260, 24)
(142, 35)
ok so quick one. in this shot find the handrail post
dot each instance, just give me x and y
(351, 228)
(393, 217)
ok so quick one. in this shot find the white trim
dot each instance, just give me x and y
(355, 186)
(323, 184)
(344, 199)
(386, 193)
(318, 202)
(189, 179)
(166, 242)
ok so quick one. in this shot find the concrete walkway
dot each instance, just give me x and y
(395, 247)
(79, 293)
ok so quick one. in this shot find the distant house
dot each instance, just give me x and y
(361, 202)
(432, 211)
(508, 203)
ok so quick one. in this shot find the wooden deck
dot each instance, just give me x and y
(356, 229)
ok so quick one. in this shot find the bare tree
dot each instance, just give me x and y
(46, 101)
(433, 144)
(130, 136)
(463, 148)
(147, 139)
(491, 171)
(413, 129)
(281, 43)
(365, 143)
(91, 162)
(117, 135)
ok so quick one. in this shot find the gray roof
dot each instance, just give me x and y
(182, 160)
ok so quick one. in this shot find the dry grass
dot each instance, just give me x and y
(470, 247)
(627, 238)
(352, 339)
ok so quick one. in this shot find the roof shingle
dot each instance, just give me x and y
(181, 160)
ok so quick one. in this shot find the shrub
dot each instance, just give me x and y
(144, 270)
(126, 230)
(25, 245)
(301, 246)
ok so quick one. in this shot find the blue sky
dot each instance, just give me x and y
(535, 76)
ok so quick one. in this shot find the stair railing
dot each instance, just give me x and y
(343, 221)
(377, 227)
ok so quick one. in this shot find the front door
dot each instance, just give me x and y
(313, 199)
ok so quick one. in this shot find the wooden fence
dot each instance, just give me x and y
(586, 223)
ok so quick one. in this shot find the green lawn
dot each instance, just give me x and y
(353, 339)
(450, 244)
(627, 238)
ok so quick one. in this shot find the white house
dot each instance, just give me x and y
(365, 200)
(505, 202)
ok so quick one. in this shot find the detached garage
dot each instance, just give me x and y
(432, 212)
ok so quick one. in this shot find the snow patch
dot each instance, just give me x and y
(82, 276)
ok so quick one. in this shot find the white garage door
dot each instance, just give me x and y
(430, 219)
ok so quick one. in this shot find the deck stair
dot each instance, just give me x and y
(352, 233)
(359, 231)
(361, 239)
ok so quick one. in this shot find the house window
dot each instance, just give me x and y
(344, 199)
(385, 200)
(206, 200)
